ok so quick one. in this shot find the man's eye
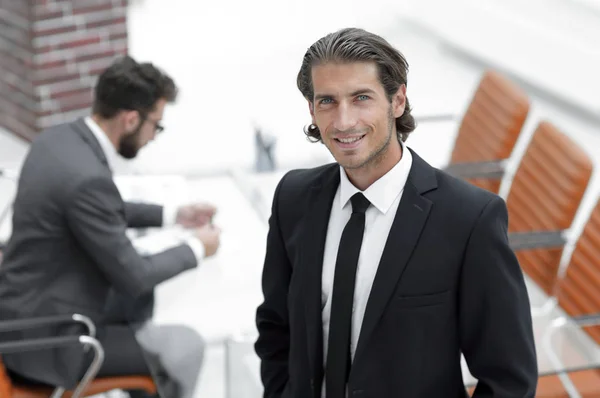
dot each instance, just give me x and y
(363, 97)
(325, 101)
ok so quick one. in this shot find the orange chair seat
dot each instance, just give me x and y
(587, 383)
(99, 385)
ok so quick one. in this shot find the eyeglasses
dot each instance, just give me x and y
(158, 128)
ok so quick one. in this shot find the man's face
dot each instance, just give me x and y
(353, 113)
(142, 133)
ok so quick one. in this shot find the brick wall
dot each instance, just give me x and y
(51, 52)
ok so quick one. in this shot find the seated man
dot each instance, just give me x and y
(69, 251)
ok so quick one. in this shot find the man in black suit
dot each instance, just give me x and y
(382, 270)
(69, 252)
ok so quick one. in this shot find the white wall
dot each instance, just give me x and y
(236, 63)
(549, 43)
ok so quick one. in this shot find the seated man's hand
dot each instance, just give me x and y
(210, 236)
(195, 215)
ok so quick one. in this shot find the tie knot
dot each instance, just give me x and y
(360, 204)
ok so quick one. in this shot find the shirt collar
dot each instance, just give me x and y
(108, 148)
(383, 192)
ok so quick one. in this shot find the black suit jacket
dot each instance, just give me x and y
(69, 250)
(447, 283)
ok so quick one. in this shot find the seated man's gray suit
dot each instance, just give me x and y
(69, 251)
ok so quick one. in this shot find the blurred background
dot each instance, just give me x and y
(237, 124)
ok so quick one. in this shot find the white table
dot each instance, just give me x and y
(220, 297)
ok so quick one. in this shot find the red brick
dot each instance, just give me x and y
(47, 2)
(97, 69)
(91, 8)
(63, 87)
(44, 113)
(43, 15)
(44, 49)
(80, 42)
(70, 93)
(44, 80)
(89, 51)
(98, 64)
(106, 22)
(95, 55)
(69, 104)
(55, 31)
(114, 30)
(51, 90)
(117, 36)
(51, 64)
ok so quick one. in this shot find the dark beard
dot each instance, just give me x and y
(378, 154)
(129, 144)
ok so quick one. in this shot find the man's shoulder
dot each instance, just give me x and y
(59, 157)
(298, 181)
(451, 192)
(462, 196)
(59, 142)
(50, 135)
(463, 188)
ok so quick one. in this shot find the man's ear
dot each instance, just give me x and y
(130, 120)
(399, 101)
(311, 109)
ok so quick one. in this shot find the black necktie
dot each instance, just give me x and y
(340, 322)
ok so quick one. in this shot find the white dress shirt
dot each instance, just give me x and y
(169, 211)
(384, 195)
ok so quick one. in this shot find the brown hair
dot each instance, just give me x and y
(357, 45)
(129, 85)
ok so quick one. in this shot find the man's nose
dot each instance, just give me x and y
(345, 118)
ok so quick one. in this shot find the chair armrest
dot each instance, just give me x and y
(493, 169)
(587, 320)
(438, 117)
(32, 323)
(556, 324)
(536, 240)
(58, 342)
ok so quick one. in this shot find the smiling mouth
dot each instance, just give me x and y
(350, 140)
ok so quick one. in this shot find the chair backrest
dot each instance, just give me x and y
(544, 196)
(5, 383)
(578, 292)
(491, 125)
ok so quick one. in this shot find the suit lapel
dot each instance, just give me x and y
(411, 216)
(314, 234)
(86, 134)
